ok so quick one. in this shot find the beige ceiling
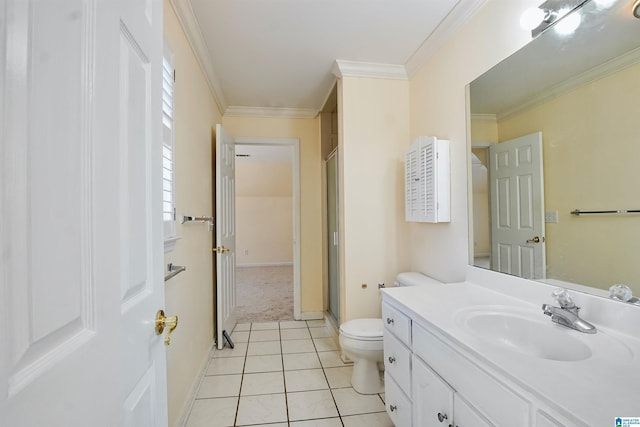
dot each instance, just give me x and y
(277, 57)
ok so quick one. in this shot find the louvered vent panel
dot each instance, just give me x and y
(427, 180)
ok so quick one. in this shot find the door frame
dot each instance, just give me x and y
(294, 145)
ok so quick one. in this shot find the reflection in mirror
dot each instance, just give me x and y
(580, 93)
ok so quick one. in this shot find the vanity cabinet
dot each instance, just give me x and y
(430, 383)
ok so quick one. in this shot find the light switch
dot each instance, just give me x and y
(551, 217)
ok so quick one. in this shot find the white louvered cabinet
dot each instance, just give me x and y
(427, 180)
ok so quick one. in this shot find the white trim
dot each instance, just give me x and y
(192, 32)
(484, 117)
(343, 68)
(294, 143)
(170, 243)
(311, 315)
(458, 16)
(266, 264)
(271, 112)
(598, 72)
(193, 391)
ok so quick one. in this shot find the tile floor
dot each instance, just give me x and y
(280, 374)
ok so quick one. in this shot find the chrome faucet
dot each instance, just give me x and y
(567, 313)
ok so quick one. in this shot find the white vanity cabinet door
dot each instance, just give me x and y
(432, 397)
(464, 415)
(397, 403)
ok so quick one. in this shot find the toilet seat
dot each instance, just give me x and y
(362, 329)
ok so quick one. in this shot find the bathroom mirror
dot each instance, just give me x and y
(579, 92)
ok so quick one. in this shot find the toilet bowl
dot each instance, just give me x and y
(361, 341)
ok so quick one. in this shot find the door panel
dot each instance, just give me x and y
(80, 216)
(333, 237)
(517, 207)
(225, 162)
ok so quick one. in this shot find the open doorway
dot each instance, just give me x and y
(267, 229)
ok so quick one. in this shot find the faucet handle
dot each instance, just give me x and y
(561, 296)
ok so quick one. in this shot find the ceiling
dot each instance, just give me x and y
(278, 57)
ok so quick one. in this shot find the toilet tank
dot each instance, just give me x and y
(412, 278)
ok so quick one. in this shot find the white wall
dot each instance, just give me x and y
(189, 295)
(438, 108)
(264, 213)
(374, 132)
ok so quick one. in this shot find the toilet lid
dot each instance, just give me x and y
(362, 329)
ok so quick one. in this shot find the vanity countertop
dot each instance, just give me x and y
(595, 389)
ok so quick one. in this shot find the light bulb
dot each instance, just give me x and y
(569, 23)
(531, 18)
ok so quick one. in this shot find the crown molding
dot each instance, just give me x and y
(600, 71)
(192, 32)
(271, 112)
(458, 16)
(343, 68)
(483, 117)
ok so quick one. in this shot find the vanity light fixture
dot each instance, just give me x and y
(552, 12)
(636, 9)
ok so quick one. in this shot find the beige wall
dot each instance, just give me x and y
(264, 213)
(308, 132)
(438, 108)
(189, 295)
(591, 166)
(374, 134)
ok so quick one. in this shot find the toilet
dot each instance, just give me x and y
(361, 341)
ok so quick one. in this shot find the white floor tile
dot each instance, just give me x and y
(379, 419)
(268, 335)
(267, 408)
(326, 344)
(351, 403)
(322, 332)
(263, 347)
(262, 383)
(268, 363)
(225, 366)
(296, 361)
(305, 380)
(324, 422)
(261, 326)
(213, 412)
(331, 359)
(307, 405)
(242, 327)
(297, 346)
(239, 336)
(240, 349)
(339, 377)
(219, 386)
(295, 334)
(314, 323)
(292, 324)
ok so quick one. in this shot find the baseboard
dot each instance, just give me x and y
(188, 404)
(312, 315)
(266, 264)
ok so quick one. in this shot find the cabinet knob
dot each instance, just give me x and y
(442, 417)
(392, 408)
(392, 359)
(389, 321)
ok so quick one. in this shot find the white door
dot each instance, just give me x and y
(80, 214)
(225, 164)
(517, 207)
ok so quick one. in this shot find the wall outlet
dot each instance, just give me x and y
(551, 217)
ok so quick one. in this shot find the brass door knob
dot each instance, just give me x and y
(534, 240)
(221, 249)
(163, 322)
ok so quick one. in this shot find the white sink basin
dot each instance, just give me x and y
(526, 335)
